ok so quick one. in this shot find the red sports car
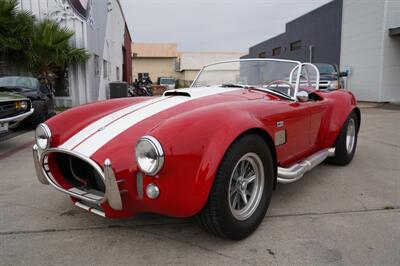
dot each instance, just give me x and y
(215, 150)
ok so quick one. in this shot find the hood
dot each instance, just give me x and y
(145, 114)
(7, 96)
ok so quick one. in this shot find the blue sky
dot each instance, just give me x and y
(206, 25)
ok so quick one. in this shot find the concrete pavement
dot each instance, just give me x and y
(333, 216)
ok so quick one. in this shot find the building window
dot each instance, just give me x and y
(262, 55)
(105, 72)
(295, 46)
(117, 70)
(96, 65)
(276, 51)
(142, 76)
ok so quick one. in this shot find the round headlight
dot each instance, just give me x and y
(149, 155)
(43, 136)
(24, 105)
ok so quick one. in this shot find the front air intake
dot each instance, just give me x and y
(78, 173)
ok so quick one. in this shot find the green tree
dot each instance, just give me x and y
(40, 47)
(16, 29)
(51, 50)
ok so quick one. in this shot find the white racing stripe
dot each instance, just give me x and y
(92, 128)
(88, 145)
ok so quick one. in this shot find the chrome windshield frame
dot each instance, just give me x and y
(298, 67)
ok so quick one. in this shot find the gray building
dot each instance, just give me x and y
(370, 49)
(313, 37)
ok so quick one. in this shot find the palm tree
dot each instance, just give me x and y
(40, 47)
(16, 28)
(51, 50)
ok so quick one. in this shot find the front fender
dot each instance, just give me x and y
(193, 155)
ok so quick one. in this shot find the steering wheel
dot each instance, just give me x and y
(278, 82)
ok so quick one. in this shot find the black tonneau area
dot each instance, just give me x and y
(177, 93)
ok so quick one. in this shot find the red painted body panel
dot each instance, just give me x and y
(71, 121)
(195, 136)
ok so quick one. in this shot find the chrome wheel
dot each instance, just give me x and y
(350, 135)
(246, 186)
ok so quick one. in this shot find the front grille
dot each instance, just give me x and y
(323, 85)
(79, 173)
(8, 109)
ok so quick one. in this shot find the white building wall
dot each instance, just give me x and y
(368, 51)
(85, 86)
(112, 51)
(391, 55)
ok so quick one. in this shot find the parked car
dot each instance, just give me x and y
(169, 82)
(215, 150)
(41, 96)
(13, 109)
(330, 77)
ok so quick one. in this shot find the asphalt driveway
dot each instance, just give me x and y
(333, 216)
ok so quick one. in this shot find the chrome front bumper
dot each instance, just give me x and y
(112, 193)
(17, 118)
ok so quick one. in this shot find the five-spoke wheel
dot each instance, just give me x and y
(242, 189)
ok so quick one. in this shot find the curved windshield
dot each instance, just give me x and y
(18, 83)
(280, 76)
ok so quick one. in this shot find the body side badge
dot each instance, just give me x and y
(280, 137)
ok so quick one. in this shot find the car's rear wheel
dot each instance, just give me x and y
(241, 191)
(346, 143)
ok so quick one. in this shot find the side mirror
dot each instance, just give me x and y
(302, 96)
(343, 74)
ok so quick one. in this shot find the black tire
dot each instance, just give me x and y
(39, 115)
(342, 155)
(217, 217)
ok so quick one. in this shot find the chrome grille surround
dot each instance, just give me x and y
(112, 192)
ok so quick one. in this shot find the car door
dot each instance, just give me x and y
(291, 134)
(315, 110)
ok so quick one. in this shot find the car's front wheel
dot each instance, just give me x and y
(241, 191)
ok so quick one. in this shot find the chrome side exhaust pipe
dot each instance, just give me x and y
(297, 171)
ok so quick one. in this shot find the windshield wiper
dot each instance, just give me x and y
(278, 91)
(231, 85)
(273, 91)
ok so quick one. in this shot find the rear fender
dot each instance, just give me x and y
(341, 104)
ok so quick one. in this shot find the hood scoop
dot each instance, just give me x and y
(177, 93)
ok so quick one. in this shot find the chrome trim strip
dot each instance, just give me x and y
(112, 191)
(17, 117)
(139, 185)
(297, 171)
(36, 161)
(89, 209)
